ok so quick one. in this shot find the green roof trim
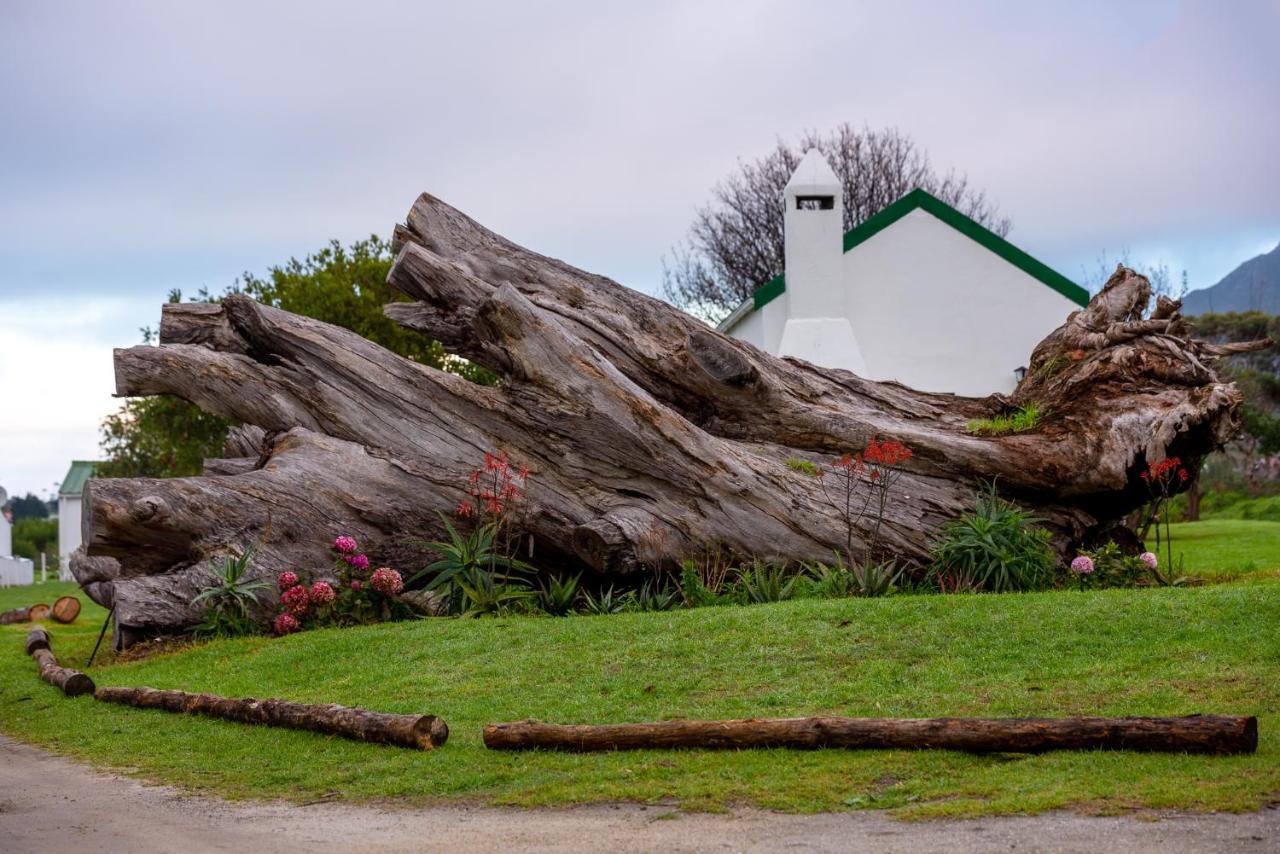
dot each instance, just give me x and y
(923, 200)
(80, 471)
(769, 291)
(969, 228)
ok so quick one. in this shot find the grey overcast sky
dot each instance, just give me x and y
(148, 146)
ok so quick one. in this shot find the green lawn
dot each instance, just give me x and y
(1224, 549)
(1153, 652)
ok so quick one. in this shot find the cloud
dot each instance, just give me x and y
(152, 145)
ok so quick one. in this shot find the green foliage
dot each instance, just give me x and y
(653, 595)
(1024, 419)
(766, 582)
(1224, 505)
(473, 574)
(557, 595)
(829, 581)
(803, 466)
(162, 436)
(33, 537)
(230, 603)
(1113, 568)
(604, 601)
(1264, 427)
(875, 579)
(695, 593)
(28, 506)
(995, 548)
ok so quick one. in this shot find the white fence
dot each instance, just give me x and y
(16, 570)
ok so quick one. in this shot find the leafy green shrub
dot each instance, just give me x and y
(230, 602)
(830, 582)
(766, 582)
(556, 595)
(695, 593)
(996, 548)
(875, 579)
(472, 573)
(605, 601)
(1024, 419)
(654, 596)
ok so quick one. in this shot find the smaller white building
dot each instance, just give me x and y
(919, 293)
(13, 570)
(69, 503)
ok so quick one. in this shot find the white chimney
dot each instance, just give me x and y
(817, 328)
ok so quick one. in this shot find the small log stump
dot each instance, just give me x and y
(1194, 734)
(29, 614)
(73, 683)
(424, 732)
(66, 609)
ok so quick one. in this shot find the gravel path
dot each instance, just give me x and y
(50, 804)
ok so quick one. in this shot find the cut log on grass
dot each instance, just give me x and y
(647, 435)
(31, 613)
(37, 638)
(421, 731)
(1194, 734)
(66, 609)
(73, 683)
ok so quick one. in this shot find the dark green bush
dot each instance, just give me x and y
(996, 548)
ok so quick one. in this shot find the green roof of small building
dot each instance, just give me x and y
(922, 200)
(80, 471)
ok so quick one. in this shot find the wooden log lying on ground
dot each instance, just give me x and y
(421, 731)
(66, 609)
(1194, 734)
(73, 683)
(29, 614)
(37, 638)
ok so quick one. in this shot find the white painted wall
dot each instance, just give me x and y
(68, 532)
(16, 570)
(6, 537)
(938, 311)
(816, 327)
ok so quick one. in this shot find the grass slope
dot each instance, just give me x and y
(1225, 549)
(1141, 652)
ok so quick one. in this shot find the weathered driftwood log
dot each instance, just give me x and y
(647, 435)
(1194, 734)
(29, 614)
(73, 683)
(421, 731)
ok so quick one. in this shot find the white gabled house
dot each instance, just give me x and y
(919, 293)
(70, 498)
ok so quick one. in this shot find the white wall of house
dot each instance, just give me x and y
(6, 537)
(937, 311)
(68, 532)
(16, 570)
(919, 301)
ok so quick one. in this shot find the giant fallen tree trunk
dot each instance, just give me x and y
(1193, 734)
(647, 435)
(423, 732)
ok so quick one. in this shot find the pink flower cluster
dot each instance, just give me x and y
(286, 624)
(1149, 559)
(296, 600)
(386, 581)
(346, 545)
(288, 579)
(1082, 565)
(321, 593)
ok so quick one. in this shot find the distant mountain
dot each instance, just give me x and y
(1254, 285)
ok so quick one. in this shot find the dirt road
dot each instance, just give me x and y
(50, 804)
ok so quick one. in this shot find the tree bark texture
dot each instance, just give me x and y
(424, 732)
(73, 683)
(1194, 734)
(647, 435)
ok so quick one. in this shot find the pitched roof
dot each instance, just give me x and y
(80, 471)
(922, 200)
